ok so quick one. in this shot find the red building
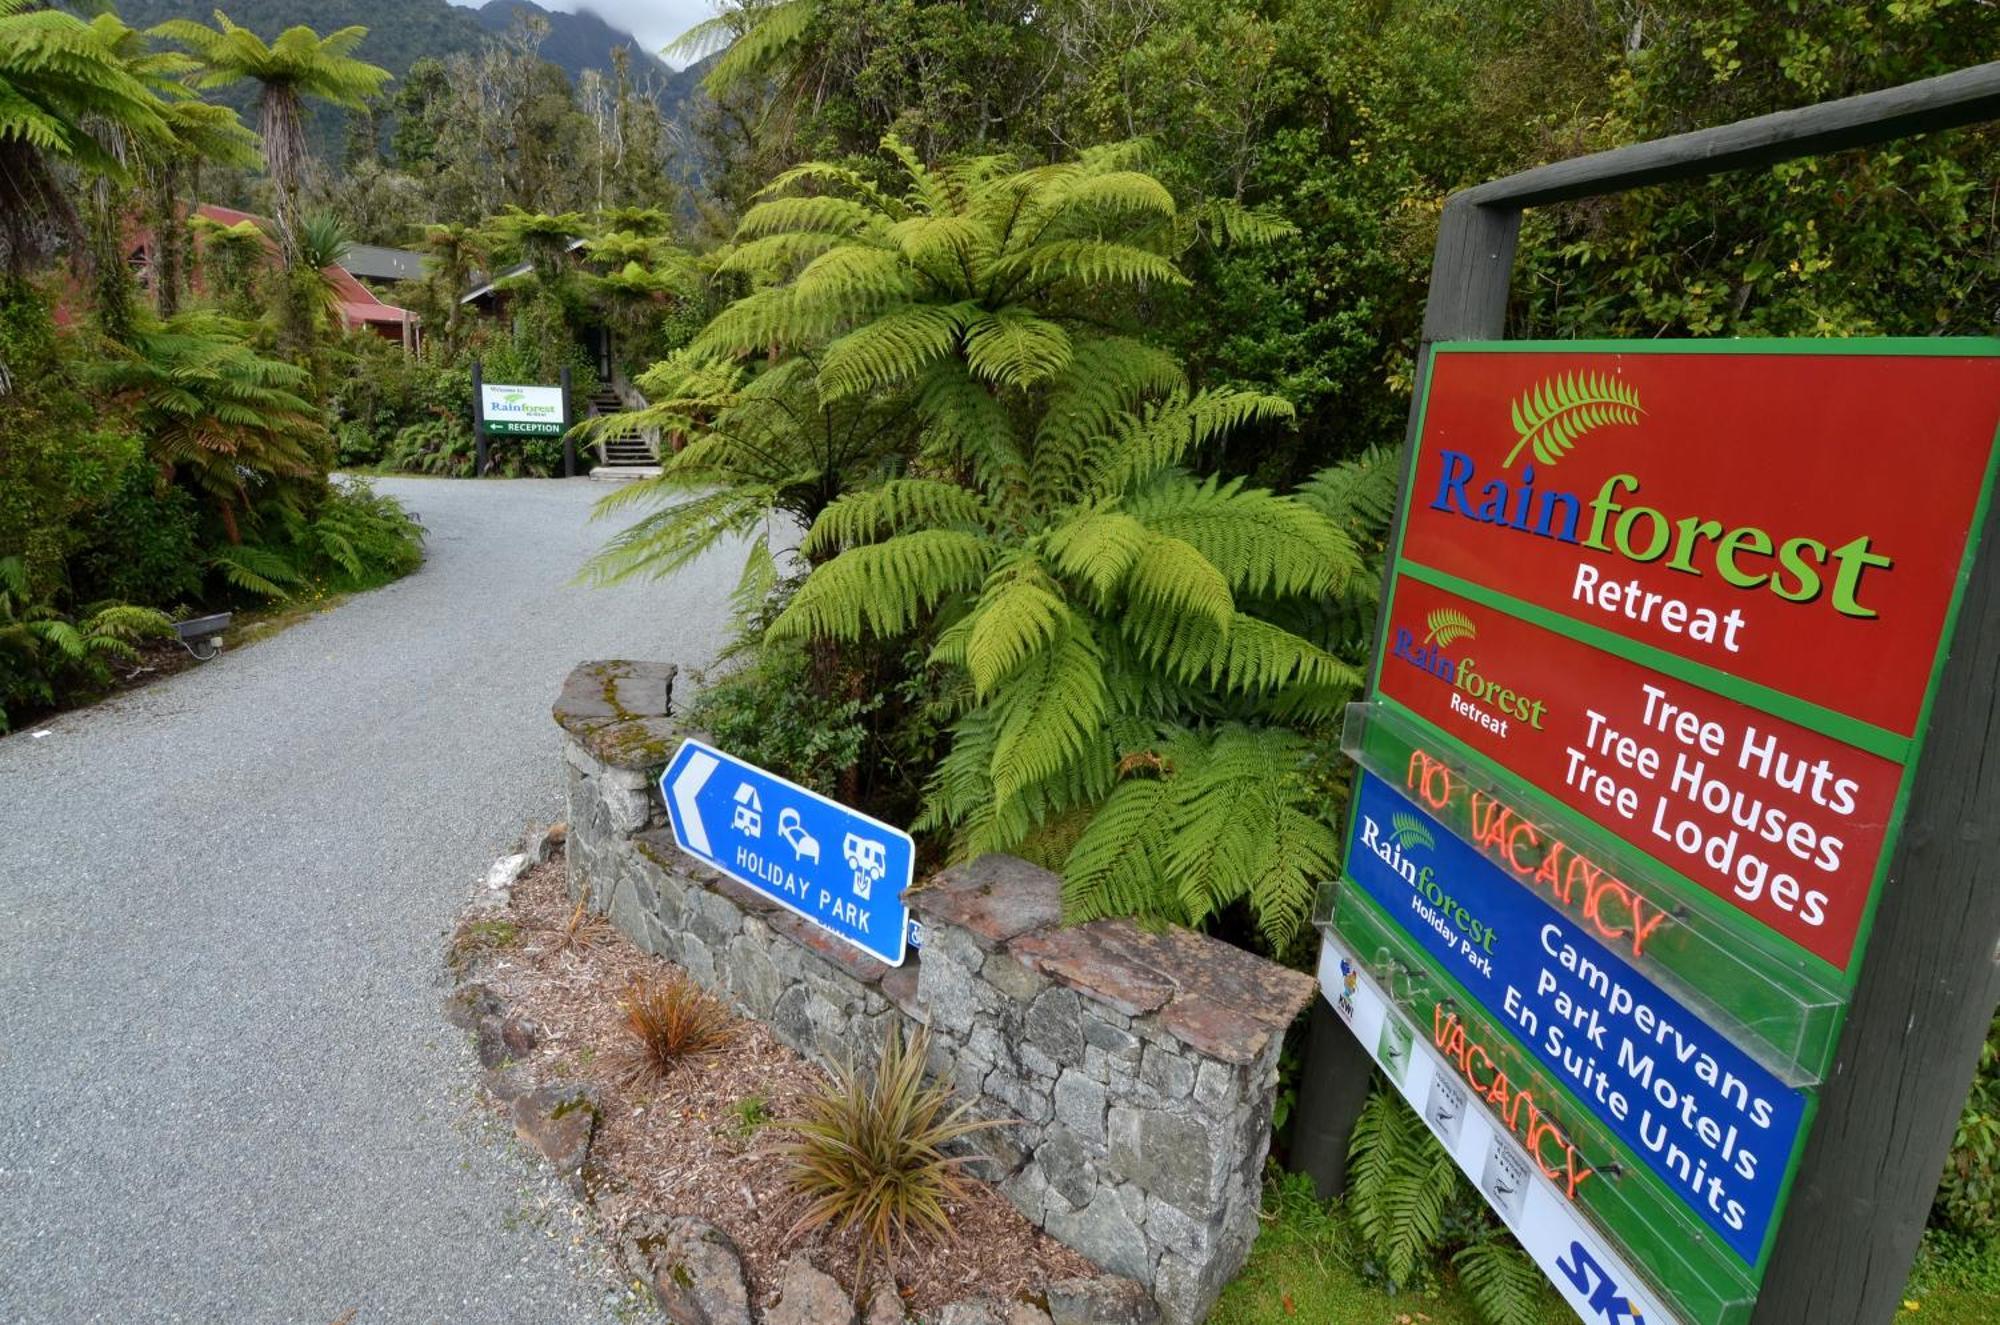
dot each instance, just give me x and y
(359, 306)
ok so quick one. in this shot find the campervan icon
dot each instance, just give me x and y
(868, 859)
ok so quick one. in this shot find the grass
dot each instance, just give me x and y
(1956, 1282)
(1304, 1268)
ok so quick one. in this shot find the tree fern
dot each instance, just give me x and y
(1015, 500)
(1401, 1186)
(1505, 1285)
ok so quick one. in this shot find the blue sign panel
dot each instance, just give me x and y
(834, 866)
(1716, 1126)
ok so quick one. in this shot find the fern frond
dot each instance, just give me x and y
(1402, 1184)
(1505, 1285)
(1099, 548)
(965, 425)
(1018, 616)
(1234, 834)
(258, 570)
(1257, 657)
(778, 253)
(1264, 544)
(883, 587)
(1162, 434)
(1120, 190)
(892, 347)
(854, 275)
(1015, 348)
(1173, 576)
(814, 214)
(892, 507)
(1093, 262)
(1115, 868)
(1050, 713)
(960, 245)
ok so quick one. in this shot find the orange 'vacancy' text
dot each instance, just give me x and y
(1607, 903)
(1515, 1107)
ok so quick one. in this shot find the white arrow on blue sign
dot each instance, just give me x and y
(836, 867)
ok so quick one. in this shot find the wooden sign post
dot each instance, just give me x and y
(1705, 792)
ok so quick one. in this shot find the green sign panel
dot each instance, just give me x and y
(1655, 667)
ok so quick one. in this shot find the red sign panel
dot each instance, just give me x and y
(1781, 822)
(1796, 520)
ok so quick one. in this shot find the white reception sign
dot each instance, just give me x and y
(522, 409)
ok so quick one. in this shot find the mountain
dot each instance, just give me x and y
(576, 41)
(401, 32)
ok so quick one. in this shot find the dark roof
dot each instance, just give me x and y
(482, 284)
(383, 264)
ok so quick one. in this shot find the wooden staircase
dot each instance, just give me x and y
(622, 454)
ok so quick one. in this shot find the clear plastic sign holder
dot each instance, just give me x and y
(1774, 1008)
(1682, 1261)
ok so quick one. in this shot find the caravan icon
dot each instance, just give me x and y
(748, 817)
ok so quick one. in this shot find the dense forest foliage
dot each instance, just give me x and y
(1049, 359)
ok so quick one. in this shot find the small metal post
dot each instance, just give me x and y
(569, 443)
(478, 423)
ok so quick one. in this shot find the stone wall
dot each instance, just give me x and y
(1137, 1069)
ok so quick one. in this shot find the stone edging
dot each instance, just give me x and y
(692, 1268)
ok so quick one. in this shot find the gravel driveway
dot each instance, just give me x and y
(226, 1093)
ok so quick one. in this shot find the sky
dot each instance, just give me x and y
(653, 22)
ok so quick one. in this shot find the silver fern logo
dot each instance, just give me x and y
(1408, 831)
(1492, 704)
(1447, 626)
(1553, 415)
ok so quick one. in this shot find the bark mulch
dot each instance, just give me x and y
(693, 1146)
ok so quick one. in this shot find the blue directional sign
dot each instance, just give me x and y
(834, 866)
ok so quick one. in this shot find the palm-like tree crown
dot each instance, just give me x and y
(65, 95)
(1002, 270)
(299, 64)
(540, 239)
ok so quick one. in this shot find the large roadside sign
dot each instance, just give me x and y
(1663, 625)
(833, 866)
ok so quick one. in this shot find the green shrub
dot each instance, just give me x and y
(56, 463)
(356, 446)
(141, 546)
(771, 714)
(45, 657)
(1968, 1198)
(356, 539)
(435, 446)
